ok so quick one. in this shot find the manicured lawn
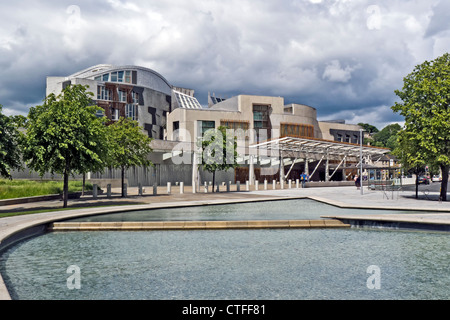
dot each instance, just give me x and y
(10, 189)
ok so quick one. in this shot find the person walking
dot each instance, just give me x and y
(303, 178)
(357, 182)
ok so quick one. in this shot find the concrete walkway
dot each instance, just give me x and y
(426, 211)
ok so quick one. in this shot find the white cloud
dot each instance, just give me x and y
(335, 73)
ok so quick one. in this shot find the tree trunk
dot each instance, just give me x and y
(123, 181)
(66, 188)
(444, 169)
(84, 184)
(214, 181)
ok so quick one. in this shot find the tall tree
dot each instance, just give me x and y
(426, 107)
(65, 136)
(219, 151)
(128, 146)
(10, 157)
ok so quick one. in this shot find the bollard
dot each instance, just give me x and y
(265, 184)
(296, 183)
(108, 191)
(290, 184)
(256, 185)
(181, 187)
(94, 191)
(247, 185)
(155, 189)
(206, 187)
(169, 188)
(140, 189)
(282, 184)
(238, 186)
(217, 190)
(228, 186)
(274, 184)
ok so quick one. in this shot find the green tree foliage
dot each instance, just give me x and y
(368, 128)
(385, 138)
(219, 151)
(64, 136)
(128, 146)
(9, 146)
(388, 135)
(426, 107)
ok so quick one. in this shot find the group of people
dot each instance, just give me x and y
(303, 179)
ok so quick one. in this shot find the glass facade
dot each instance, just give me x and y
(116, 76)
(261, 122)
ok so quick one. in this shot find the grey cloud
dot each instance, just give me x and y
(325, 54)
(439, 19)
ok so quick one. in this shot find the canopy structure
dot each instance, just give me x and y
(305, 149)
(318, 146)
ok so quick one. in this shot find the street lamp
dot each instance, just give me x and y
(361, 160)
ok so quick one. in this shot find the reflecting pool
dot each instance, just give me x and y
(300, 209)
(231, 264)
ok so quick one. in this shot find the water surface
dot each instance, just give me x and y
(230, 264)
(301, 209)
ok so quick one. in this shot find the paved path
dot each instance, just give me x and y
(429, 211)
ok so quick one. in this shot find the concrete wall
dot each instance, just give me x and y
(326, 126)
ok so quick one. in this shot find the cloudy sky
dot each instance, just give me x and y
(343, 57)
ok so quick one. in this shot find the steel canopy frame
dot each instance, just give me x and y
(318, 146)
(323, 148)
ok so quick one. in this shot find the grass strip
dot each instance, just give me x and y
(12, 189)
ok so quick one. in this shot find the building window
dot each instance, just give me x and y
(205, 126)
(175, 130)
(103, 93)
(128, 76)
(120, 76)
(113, 76)
(114, 114)
(105, 77)
(347, 138)
(296, 130)
(261, 122)
(130, 111)
(122, 96)
(235, 124)
(135, 97)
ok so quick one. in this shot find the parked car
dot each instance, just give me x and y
(436, 178)
(424, 180)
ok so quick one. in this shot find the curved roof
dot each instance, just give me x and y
(146, 78)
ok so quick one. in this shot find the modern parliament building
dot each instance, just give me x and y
(274, 139)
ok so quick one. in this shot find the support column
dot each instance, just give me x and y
(251, 171)
(344, 173)
(327, 169)
(195, 174)
(282, 177)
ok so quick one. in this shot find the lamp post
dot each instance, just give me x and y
(361, 160)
